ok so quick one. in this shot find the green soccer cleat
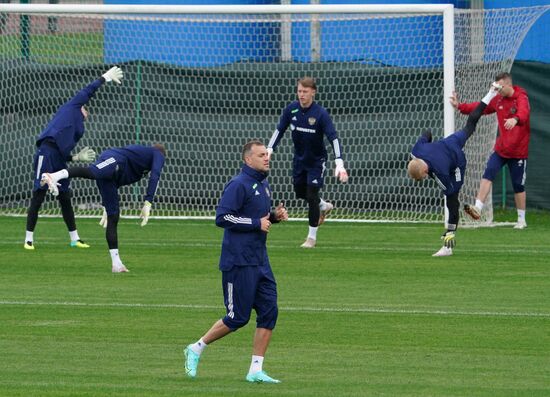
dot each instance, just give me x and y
(191, 361)
(261, 377)
(28, 245)
(79, 244)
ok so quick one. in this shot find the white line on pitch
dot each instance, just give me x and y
(304, 309)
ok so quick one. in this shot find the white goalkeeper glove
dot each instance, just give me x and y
(340, 172)
(269, 152)
(115, 74)
(103, 220)
(87, 155)
(145, 211)
(449, 239)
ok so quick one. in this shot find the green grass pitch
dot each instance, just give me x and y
(368, 312)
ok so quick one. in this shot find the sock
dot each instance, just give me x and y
(479, 205)
(63, 174)
(74, 235)
(198, 347)
(29, 236)
(521, 215)
(256, 364)
(490, 95)
(114, 257)
(322, 205)
(312, 233)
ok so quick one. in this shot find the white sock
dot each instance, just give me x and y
(521, 215)
(322, 205)
(479, 205)
(256, 364)
(74, 235)
(490, 95)
(312, 233)
(29, 236)
(198, 347)
(63, 174)
(114, 257)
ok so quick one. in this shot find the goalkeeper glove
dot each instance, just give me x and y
(145, 211)
(103, 220)
(115, 74)
(449, 239)
(340, 172)
(85, 155)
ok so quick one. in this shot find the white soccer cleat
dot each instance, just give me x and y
(119, 268)
(444, 251)
(47, 179)
(496, 87)
(520, 225)
(472, 211)
(324, 213)
(309, 243)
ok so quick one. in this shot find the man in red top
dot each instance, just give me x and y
(511, 147)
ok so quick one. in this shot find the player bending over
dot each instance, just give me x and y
(54, 146)
(117, 167)
(445, 162)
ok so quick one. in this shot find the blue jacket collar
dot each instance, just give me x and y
(260, 176)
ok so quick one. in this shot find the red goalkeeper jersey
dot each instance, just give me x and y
(514, 143)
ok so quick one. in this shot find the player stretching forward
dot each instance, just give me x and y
(54, 146)
(445, 162)
(309, 123)
(117, 167)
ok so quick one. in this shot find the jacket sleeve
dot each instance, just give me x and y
(154, 177)
(524, 109)
(227, 213)
(467, 108)
(284, 122)
(83, 96)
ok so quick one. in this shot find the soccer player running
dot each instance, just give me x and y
(114, 168)
(54, 146)
(445, 162)
(511, 146)
(310, 123)
(244, 211)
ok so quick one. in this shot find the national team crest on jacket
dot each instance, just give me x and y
(311, 120)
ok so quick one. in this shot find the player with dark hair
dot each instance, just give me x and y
(511, 146)
(54, 146)
(445, 162)
(117, 167)
(310, 123)
(248, 283)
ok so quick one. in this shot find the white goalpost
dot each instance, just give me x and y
(204, 80)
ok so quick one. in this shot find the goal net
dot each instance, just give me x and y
(206, 84)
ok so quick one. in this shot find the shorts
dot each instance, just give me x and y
(517, 167)
(49, 159)
(246, 288)
(105, 170)
(311, 175)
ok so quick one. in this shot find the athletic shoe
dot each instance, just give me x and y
(28, 245)
(521, 225)
(261, 377)
(472, 211)
(191, 361)
(309, 243)
(496, 87)
(444, 251)
(52, 185)
(119, 268)
(324, 213)
(79, 244)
